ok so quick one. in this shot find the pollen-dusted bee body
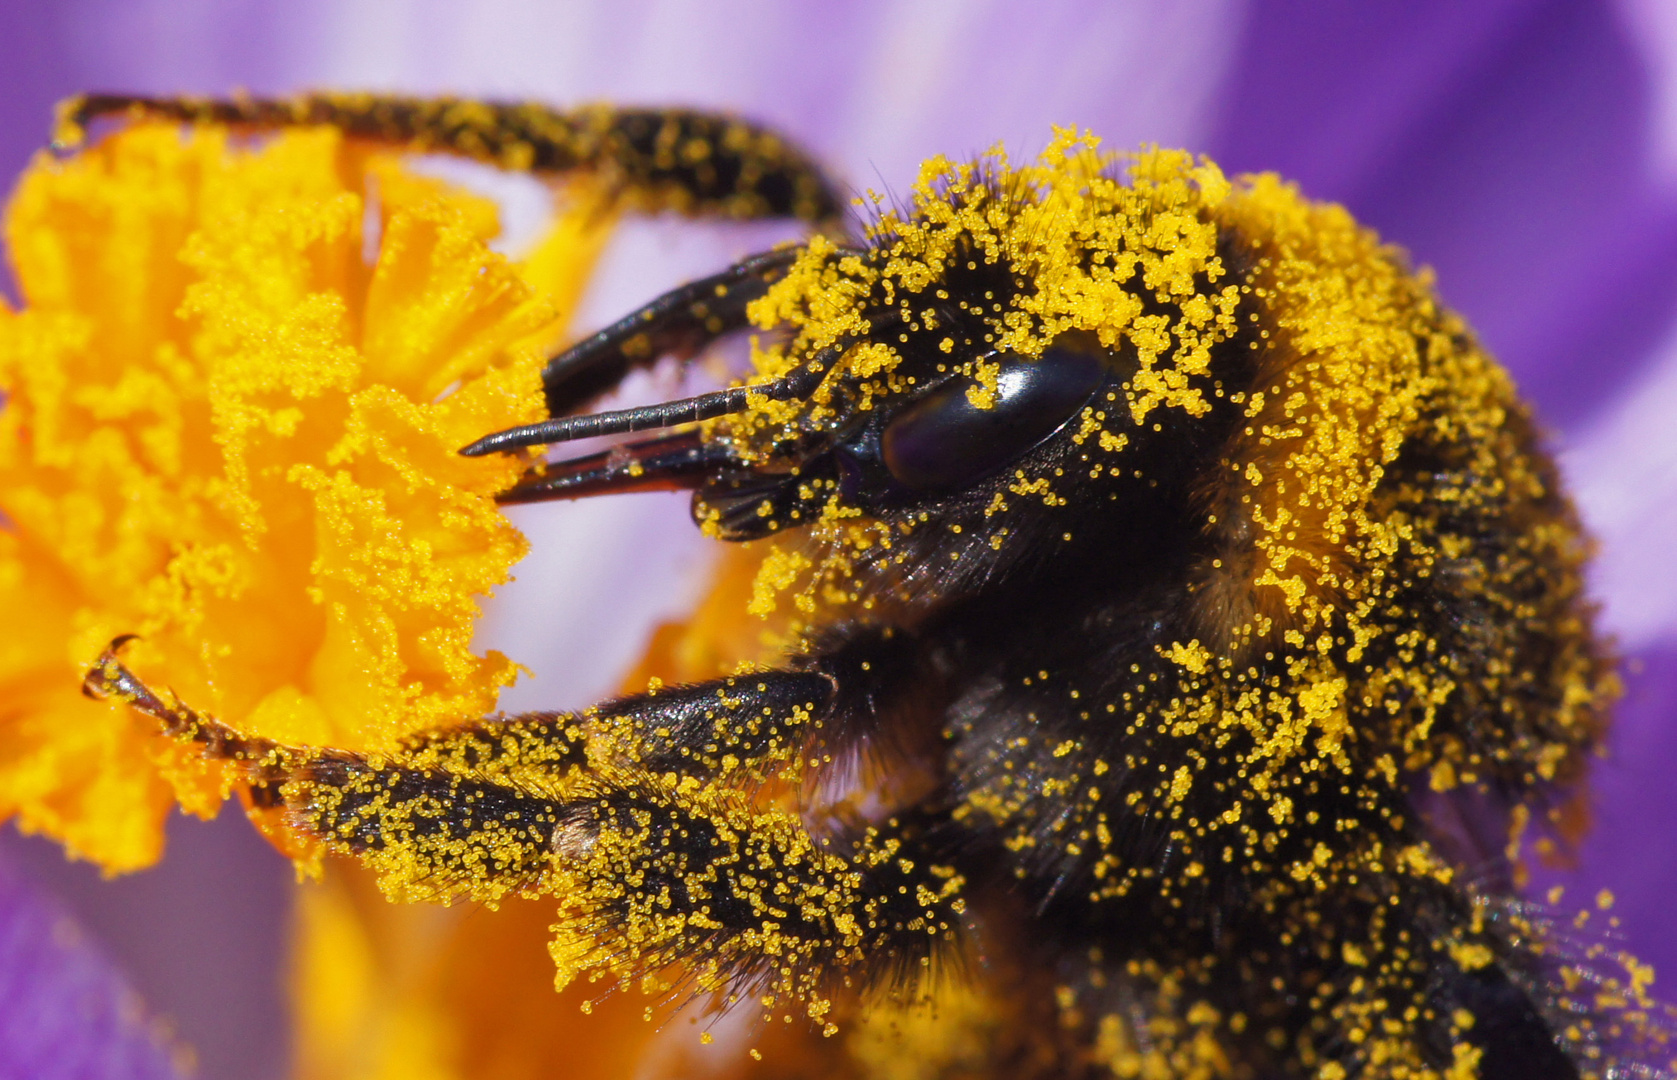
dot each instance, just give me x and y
(1195, 588)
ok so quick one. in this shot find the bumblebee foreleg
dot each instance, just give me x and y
(432, 831)
(680, 322)
(741, 727)
(626, 814)
(654, 874)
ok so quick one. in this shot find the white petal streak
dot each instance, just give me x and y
(1652, 26)
(600, 574)
(875, 87)
(1623, 474)
(954, 77)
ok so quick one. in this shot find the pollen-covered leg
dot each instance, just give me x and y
(753, 723)
(748, 723)
(619, 812)
(431, 834)
(704, 164)
(653, 874)
(745, 900)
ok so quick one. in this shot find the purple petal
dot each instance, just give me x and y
(1505, 144)
(202, 936)
(66, 1013)
(1623, 469)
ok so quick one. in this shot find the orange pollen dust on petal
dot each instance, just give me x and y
(232, 401)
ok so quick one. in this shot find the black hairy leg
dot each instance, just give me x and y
(616, 811)
(680, 322)
(697, 163)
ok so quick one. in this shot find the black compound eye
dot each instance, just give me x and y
(944, 441)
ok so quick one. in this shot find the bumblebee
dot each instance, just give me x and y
(1182, 622)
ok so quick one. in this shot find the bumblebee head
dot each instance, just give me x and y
(1002, 316)
(1004, 309)
(1097, 362)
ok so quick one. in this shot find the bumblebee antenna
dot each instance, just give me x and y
(799, 384)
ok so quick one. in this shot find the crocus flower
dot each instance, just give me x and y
(1519, 147)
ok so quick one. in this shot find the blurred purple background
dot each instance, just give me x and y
(1523, 148)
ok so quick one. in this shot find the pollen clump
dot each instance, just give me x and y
(233, 395)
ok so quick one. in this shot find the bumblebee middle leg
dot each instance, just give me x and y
(747, 900)
(657, 859)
